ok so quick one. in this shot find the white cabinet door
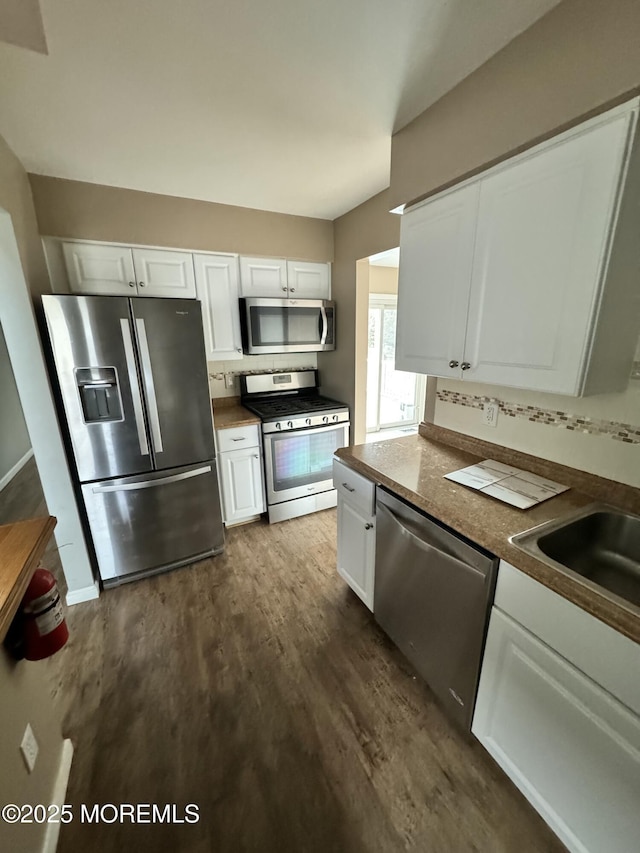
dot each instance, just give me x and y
(160, 272)
(263, 277)
(356, 550)
(217, 289)
(543, 229)
(436, 257)
(242, 484)
(570, 747)
(307, 280)
(101, 270)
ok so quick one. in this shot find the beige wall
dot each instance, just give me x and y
(365, 230)
(15, 198)
(579, 57)
(26, 698)
(14, 438)
(96, 212)
(25, 694)
(383, 279)
(582, 56)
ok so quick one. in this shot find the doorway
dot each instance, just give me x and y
(395, 398)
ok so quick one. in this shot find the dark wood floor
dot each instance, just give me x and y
(257, 686)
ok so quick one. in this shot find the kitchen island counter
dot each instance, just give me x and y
(414, 468)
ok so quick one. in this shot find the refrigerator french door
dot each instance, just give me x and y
(133, 385)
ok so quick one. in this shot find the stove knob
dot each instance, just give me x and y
(335, 417)
(290, 424)
(278, 425)
(325, 420)
(308, 421)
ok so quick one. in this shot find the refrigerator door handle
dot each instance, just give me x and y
(135, 388)
(150, 484)
(150, 387)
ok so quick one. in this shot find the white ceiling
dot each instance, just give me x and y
(284, 105)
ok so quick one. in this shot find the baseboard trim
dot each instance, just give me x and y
(11, 473)
(85, 593)
(59, 793)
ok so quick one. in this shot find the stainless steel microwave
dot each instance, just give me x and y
(287, 325)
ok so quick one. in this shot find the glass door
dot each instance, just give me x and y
(394, 397)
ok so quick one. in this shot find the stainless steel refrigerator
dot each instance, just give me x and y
(132, 381)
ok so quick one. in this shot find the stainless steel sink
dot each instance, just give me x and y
(599, 543)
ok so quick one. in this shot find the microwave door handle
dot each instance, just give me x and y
(325, 325)
(135, 388)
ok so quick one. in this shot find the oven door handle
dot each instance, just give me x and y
(324, 327)
(311, 431)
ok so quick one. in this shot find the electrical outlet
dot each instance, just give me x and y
(490, 414)
(29, 748)
(228, 380)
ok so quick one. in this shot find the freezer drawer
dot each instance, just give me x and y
(141, 525)
(433, 591)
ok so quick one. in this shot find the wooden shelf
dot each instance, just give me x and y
(21, 546)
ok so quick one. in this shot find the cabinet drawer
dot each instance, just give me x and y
(354, 488)
(602, 653)
(237, 438)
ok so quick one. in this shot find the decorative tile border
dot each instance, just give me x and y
(628, 433)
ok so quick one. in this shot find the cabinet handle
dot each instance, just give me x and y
(368, 526)
(239, 349)
(465, 365)
(292, 290)
(453, 363)
(348, 488)
(243, 438)
(284, 288)
(142, 284)
(256, 456)
(132, 284)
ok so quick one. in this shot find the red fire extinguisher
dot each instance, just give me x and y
(44, 627)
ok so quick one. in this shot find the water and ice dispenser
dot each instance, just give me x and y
(99, 394)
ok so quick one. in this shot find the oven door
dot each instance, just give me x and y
(300, 463)
(287, 325)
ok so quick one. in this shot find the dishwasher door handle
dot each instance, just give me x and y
(425, 546)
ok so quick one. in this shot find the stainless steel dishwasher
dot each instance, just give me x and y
(433, 592)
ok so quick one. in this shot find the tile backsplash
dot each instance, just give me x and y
(221, 371)
(617, 430)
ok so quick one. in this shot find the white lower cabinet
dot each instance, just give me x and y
(241, 478)
(569, 745)
(356, 531)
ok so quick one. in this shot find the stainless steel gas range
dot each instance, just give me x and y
(301, 431)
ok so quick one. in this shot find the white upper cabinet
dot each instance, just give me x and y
(103, 269)
(99, 269)
(278, 278)
(217, 289)
(307, 280)
(263, 277)
(434, 281)
(163, 273)
(524, 276)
